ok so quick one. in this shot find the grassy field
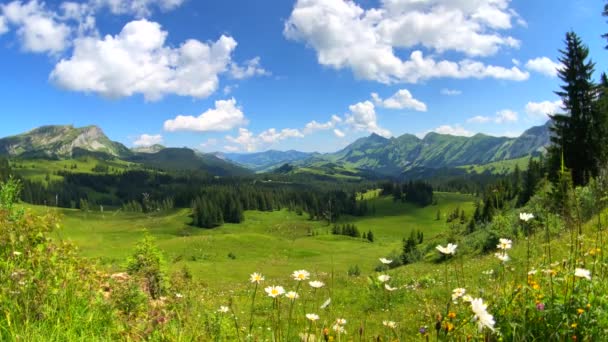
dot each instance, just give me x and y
(277, 242)
(38, 169)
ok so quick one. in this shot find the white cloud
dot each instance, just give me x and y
(339, 133)
(543, 65)
(250, 69)
(314, 126)
(479, 119)
(402, 99)
(38, 29)
(248, 141)
(344, 35)
(543, 109)
(450, 92)
(3, 25)
(137, 61)
(453, 130)
(503, 116)
(515, 61)
(148, 140)
(362, 117)
(139, 8)
(225, 116)
(506, 115)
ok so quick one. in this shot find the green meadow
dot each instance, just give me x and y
(277, 242)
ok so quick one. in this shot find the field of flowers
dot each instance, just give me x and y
(545, 280)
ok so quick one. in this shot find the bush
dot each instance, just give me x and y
(147, 262)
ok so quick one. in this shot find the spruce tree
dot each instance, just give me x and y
(575, 133)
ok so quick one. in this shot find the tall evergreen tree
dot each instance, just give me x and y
(576, 132)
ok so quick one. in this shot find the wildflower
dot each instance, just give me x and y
(447, 250)
(389, 324)
(488, 272)
(580, 311)
(292, 295)
(484, 319)
(504, 257)
(326, 303)
(313, 317)
(451, 315)
(223, 309)
(300, 275)
(540, 307)
(467, 298)
(179, 295)
(573, 325)
(532, 272)
(389, 288)
(525, 217)
(384, 278)
(423, 330)
(339, 329)
(457, 293)
(385, 261)
(256, 278)
(274, 291)
(16, 253)
(449, 327)
(582, 273)
(549, 272)
(504, 244)
(340, 321)
(316, 284)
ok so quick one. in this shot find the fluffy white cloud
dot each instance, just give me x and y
(503, 116)
(137, 61)
(543, 109)
(344, 35)
(506, 115)
(314, 126)
(38, 29)
(479, 119)
(140, 8)
(248, 141)
(543, 65)
(225, 116)
(453, 130)
(362, 117)
(402, 99)
(209, 143)
(3, 25)
(270, 136)
(250, 69)
(148, 140)
(339, 133)
(450, 92)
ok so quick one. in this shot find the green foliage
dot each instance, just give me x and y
(147, 262)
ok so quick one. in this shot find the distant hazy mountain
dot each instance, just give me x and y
(61, 142)
(64, 142)
(265, 161)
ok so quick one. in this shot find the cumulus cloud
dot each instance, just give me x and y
(38, 29)
(315, 126)
(148, 140)
(225, 116)
(248, 141)
(503, 116)
(453, 130)
(543, 65)
(363, 117)
(251, 68)
(506, 115)
(137, 61)
(344, 35)
(3, 25)
(402, 99)
(542, 110)
(450, 92)
(339, 133)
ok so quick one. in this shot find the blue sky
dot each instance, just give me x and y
(311, 75)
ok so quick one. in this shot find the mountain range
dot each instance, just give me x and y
(373, 154)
